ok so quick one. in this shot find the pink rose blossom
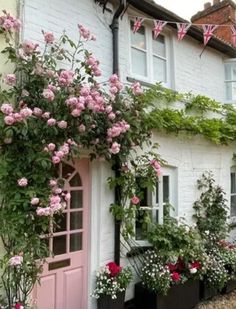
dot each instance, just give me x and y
(57, 190)
(56, 160)
(18, 117)
(10, 79)
(6, 108)
(62, 124)
(29, 47)
(53, 183)
(85, 33)
(9, 120)
(26, 112)
(115, 148)
(51, 146)
(34, 201)
(108, 109)
(112, 116)
(48, 95)
(82, 128)
(136, 88)
(22, 182)
(16, 260)
(60, 154)
(43, 211)
(66, 78)
(51, 122)
(48, 37)
(37, 112)
(135, 200)
(72, 101)
(46, 115)
(67, 197)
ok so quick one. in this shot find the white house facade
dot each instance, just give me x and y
(179, 66)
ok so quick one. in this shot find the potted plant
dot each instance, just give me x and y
(165, 285)
(111, 283)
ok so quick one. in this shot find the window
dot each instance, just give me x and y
(148, 55)
(233, 193)
(230, 80)
(154, 205)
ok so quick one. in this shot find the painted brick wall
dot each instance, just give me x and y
(188, 71)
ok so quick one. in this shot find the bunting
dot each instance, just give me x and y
(158, 27)
(182, 30)
(208, 32)
(233, 30)
(137, 24)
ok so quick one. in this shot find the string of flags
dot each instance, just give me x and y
(182, 28)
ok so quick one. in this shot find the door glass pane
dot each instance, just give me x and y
(76, 199)
(233, 183)
(75, 242)
(76, 220)
(59, 244)
(159, 69)
(76, 181)
(67, 170)
(60, 222)
(138, 39)
(233, 205)
(139, 62)
(159, 46)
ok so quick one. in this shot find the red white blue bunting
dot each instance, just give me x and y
(182, 30)
(158, 27)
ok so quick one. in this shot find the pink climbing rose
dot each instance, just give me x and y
(16, 260)
(135, 200)
(48, 37)
(34, 201)
(22, 182)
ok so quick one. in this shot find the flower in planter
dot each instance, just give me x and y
(111, 280)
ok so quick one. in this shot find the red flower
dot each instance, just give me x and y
(172, 267)
(180, 265)
(196, 265)
(114, 268)
(175, 276)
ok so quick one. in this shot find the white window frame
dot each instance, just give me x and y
(150, 54)
(228, 61)
(153, 206)
(232, 218)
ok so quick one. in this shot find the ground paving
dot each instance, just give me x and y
(227, 301)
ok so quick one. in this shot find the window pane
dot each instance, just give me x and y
(230, 91)
(139, 62)
(158, 46)
(138, 39)
(233, 206)
(76, 199)
(166, 194)
(59, 244)
(76, 181)
(60, 222)
(75, 242)
(233, 183)
(159, 69)
(76, 220)
(230, 71)
(141, 226)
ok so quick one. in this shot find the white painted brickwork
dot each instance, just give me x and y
(192, 157)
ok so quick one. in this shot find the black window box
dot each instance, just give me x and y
(106, 302)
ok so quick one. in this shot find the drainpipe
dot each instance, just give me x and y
(116, 167)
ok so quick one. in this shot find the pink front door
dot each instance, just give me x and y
(64, 279)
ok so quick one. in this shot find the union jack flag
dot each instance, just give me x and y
(182, 30)
(233, 29)
(158, 27)
(137, 24)
(208, 32)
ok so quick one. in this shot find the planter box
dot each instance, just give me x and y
(106, 302)
(207, 292)
(183, 296)
(229, 287)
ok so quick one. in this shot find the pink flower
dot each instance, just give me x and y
(53, 183)
(34, 201)
(37, 112)
(48, 37)
(57, 191)
(136, 88)
(51, 122)
(135, 200)
(10, 79)
(67, 197)
(76, 112)
(82, 128)
(18, 117)
(22, 182)
(29, 47)
(6, 108)
(59, 154)
(66, 77)
(108, 109)
(48, 95)
(56, 160)
(26, 112)
(46, 115)
(115, 148)
(8, 24)
(114, 79)
(51, 146)
(43, 211)
(72, 101)
(55, 199)
(16, 260)
(84, 32)
(9, 120)
(112, 116)
(62, 124)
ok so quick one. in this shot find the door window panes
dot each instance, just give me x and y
(76, 220)
(76, 199)
(59, 244)
(76, 242)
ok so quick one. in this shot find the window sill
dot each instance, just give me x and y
(138, 250)
(145, 84)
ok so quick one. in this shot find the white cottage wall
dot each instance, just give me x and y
(188, 72)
